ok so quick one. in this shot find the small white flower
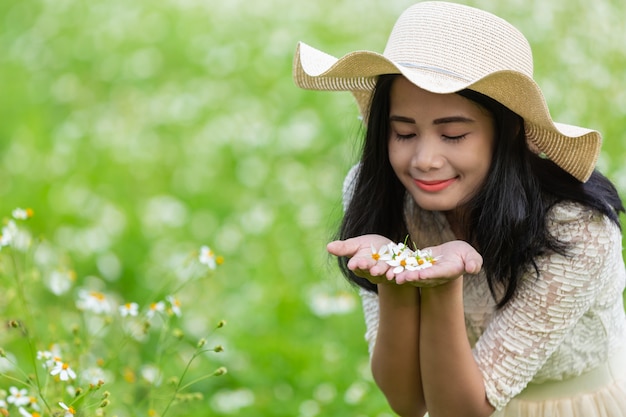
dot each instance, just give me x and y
(26, 413)
(129, 309)
(423, 259)
(60, 281)
(9, 233)
(63, 370)
(32, 405)
(47, 357)
(404, 258)
(93, 301)
(69, 410)
(174, 305)
(22, 214)
(399, 262)
(93, 375)
(18, 397)
(151, 374)
(383, 254)
(12, 236)
(158, 307)
(207, 257)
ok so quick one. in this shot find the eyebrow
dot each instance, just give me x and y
(441, 121)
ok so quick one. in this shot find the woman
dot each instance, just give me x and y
(522, 312)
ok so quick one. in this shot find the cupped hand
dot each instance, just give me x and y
(361, 262)
(454, 259)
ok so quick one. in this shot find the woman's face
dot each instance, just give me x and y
(440, 145)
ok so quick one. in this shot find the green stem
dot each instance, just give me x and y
(217, 372)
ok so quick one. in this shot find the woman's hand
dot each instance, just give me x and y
(454, 259)
(362, 262)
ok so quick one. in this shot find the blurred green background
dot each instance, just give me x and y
(140, 130)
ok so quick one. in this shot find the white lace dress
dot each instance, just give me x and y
(558, 348)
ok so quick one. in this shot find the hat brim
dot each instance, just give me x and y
(575, 149)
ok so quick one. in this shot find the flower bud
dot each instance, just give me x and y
(220, 371)
(178, 334)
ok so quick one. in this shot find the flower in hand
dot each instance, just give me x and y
(401, 257)
(395, 261)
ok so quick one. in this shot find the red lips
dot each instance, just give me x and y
(434, 186)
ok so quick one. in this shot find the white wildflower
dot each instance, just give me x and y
(129, 309)
(18, 397)
(207, 257)
(63, 370)
(94, 301)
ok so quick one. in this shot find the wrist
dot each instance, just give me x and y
(446, 289)
(398, 294)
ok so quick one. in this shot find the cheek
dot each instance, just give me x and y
(399, 155)
(398, 161)
(482, 166)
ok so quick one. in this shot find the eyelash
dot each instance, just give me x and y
(455, 138)
(404, 137)
(450, 138)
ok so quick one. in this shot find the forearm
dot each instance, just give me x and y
(453, 384)
(395, 360)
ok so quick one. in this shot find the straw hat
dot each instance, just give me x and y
(444, 48)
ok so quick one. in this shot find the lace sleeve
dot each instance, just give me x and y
(348, 186)
(371, 312)
(521, 337)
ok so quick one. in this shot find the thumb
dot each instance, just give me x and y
(346, 247)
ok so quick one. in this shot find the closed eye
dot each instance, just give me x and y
(454, 138)
(404, 137)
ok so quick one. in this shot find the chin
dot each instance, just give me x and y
(430, 205)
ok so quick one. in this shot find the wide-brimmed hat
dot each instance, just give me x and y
(443, 48)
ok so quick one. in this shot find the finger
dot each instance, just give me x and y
(379, 269)
(346, 247)
(365, 264)
(473, 264)
(390, 274)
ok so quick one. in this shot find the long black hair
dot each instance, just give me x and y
(506, 218)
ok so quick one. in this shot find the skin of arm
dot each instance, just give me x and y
(453, 384)
(422, 359)
(396, 360)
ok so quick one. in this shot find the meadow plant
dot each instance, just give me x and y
(71, 346)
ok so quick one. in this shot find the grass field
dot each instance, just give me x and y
(139, 131)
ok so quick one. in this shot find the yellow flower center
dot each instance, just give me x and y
(97, 295)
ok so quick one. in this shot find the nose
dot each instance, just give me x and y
(427, 155)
